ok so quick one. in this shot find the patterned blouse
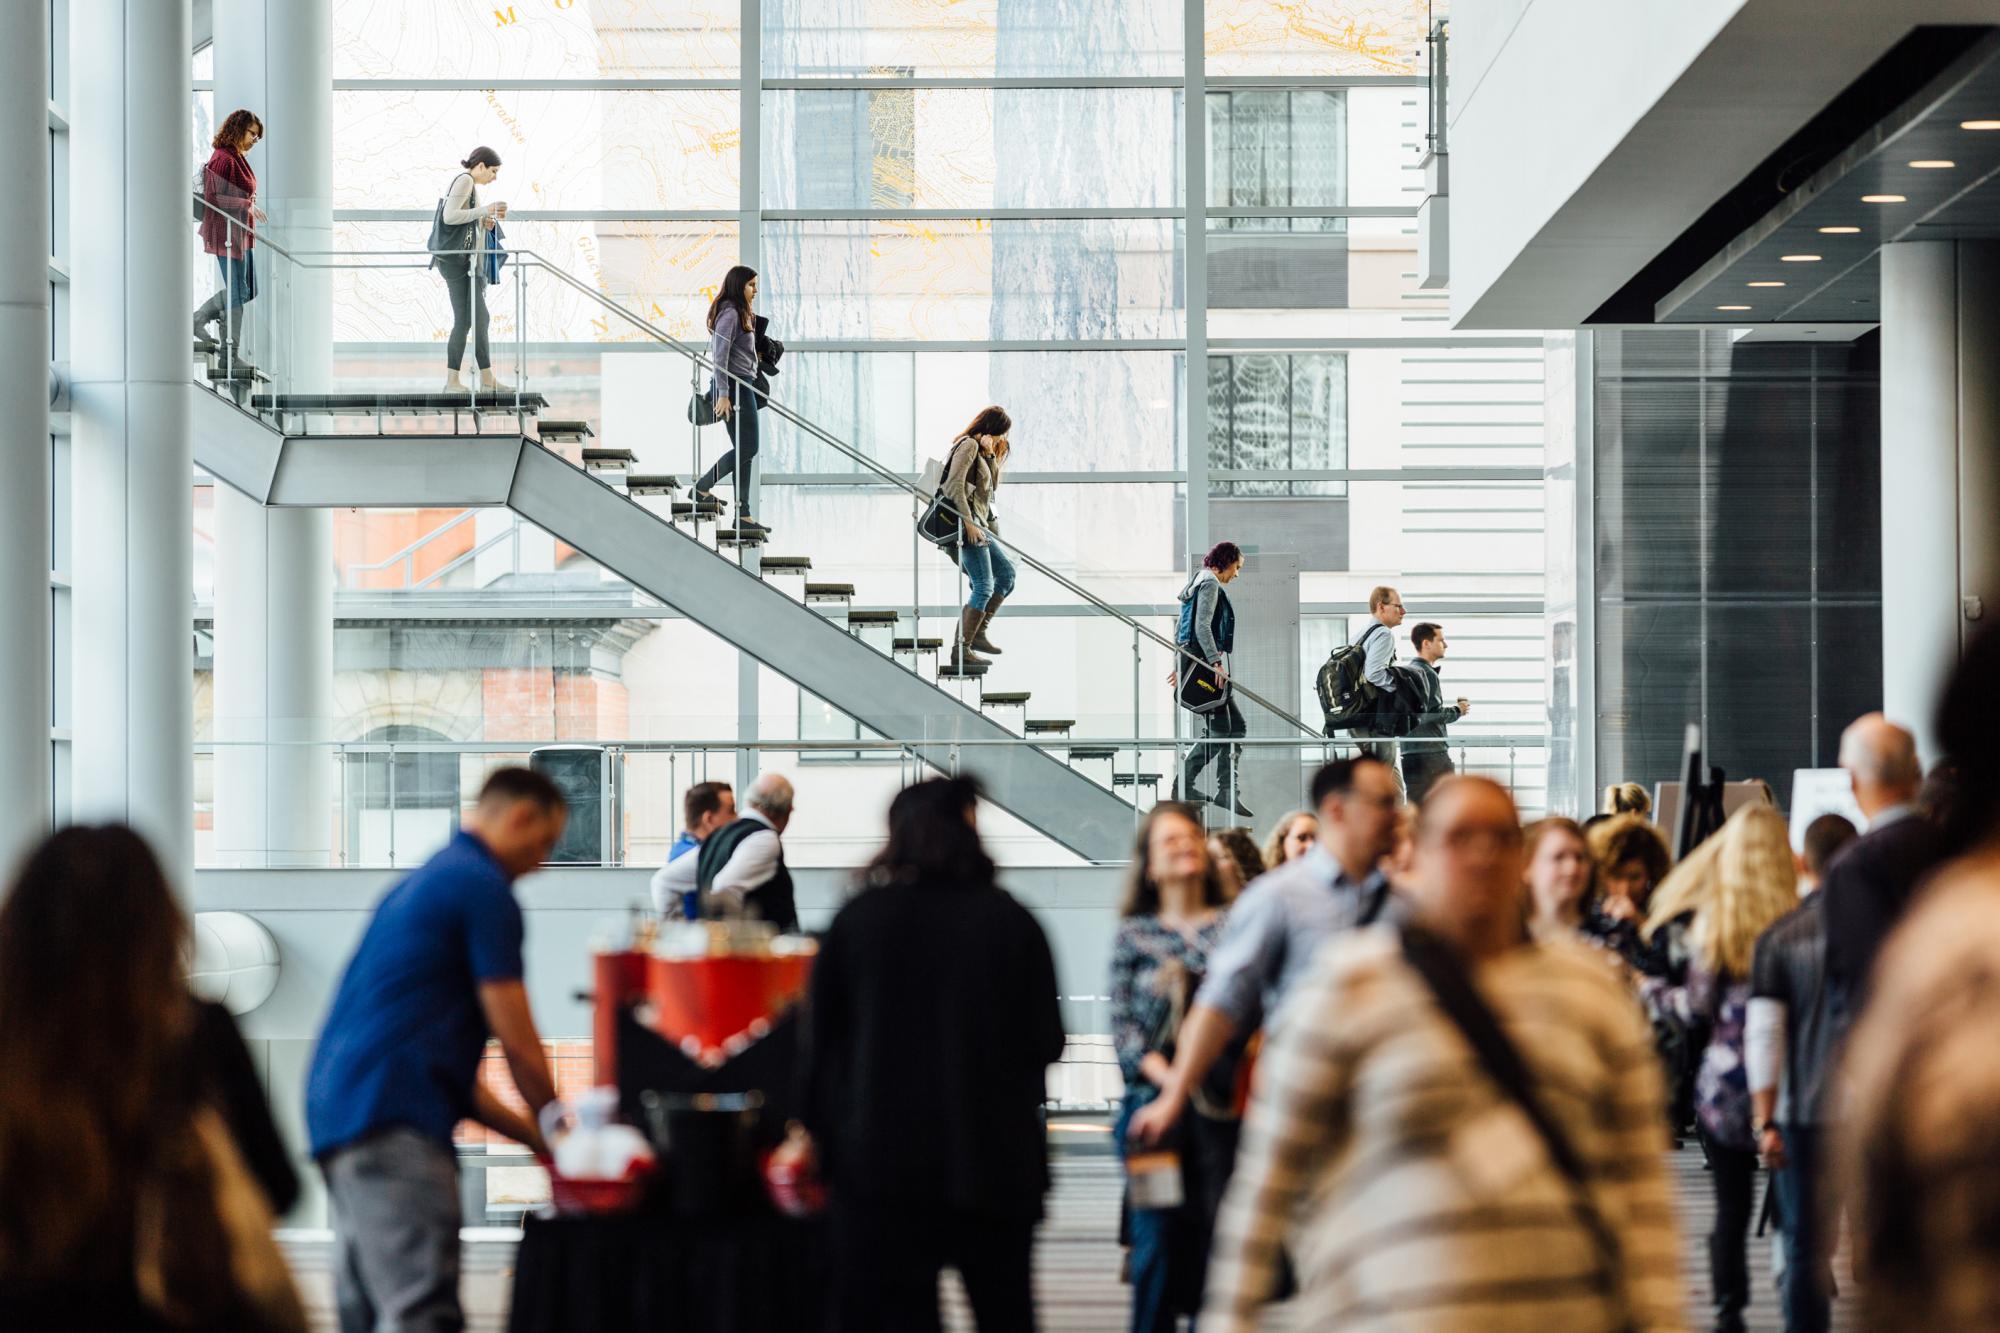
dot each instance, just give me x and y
(1718, 1004)
(1140, 1004)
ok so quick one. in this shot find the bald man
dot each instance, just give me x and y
(1873, 879)
(740, 868)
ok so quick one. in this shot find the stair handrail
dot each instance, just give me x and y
(770, 401)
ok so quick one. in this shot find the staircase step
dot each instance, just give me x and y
(950, 671)
(603, 460)
(787, 564)
(872, 617)
(743, 537)
(566, 430)
(1005, 698)
(1143, 779)
(654, 484)
(427, 401)
(829, 592)
(1048, 726)
(1093, 752)
(924, 645)
(693, 509)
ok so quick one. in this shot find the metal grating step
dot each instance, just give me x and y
(872, 617)
(1143, 779)
(604, 460)
(1047, 726)
(741, 537)
(566, 430)
(787, 564)
(923, 645)
(638, 484)
(1093, 752)
(693, 509)
(829, 592)
(952, 671)
(1005, 698)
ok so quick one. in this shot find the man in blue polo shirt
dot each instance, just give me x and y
(396, 1069)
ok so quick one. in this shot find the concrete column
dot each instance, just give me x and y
(131, 294)
(274, 567)
(24, 406)
(1940, 467)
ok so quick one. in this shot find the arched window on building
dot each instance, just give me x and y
(400, 806)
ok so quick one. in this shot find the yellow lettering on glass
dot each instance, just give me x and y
(503, 17)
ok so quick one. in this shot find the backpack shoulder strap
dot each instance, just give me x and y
(1460, 1002)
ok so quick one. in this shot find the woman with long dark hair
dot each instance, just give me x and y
(462, 220)
(971, 479)
(229, 228)
(1171, 920)
(139, 1169)
(932, 1021)
(733, 389)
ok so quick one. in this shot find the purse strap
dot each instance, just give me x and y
(1459, 1000)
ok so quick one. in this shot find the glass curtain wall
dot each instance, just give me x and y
(950, 206)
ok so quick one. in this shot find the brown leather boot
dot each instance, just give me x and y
(968, 632)
(979, 639)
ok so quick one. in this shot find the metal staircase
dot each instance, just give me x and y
(815, 645)
(453, 450)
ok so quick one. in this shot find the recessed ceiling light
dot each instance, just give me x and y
(1766, 284)
(1800, 259)
(1933, 164)
(1732, 307)
(1840, 231)
(1885, 199)
(1979, 124)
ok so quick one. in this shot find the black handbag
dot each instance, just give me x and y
(701, 407)
(1200, 691)
(940, 525)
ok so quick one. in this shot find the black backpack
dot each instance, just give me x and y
(1345, 695)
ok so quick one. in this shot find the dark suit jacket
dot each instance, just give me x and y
(1865, 892)
(932, 1021)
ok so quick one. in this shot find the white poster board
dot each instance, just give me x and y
(1821, 791)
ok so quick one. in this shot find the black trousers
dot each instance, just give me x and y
(735, 464)
(887, 1261)
(1219, 727)
(1733, 1172)
(1421, 769)
(468, 313)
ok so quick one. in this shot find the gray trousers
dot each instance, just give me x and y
(395, 1229)
(1385, 748)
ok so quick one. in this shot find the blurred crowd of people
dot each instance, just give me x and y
(1405, 1068)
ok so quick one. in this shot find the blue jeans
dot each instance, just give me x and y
(987, 569)
(735, 464)
(1152, 1273)
(1808, 1283)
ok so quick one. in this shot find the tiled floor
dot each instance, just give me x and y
(1077, 1260)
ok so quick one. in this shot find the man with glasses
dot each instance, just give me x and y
(1280, 921)
(1378, 644)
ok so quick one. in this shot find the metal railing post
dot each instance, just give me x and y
(392, 803)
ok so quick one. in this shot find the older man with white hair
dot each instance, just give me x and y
(1873, 879)
(740, 868)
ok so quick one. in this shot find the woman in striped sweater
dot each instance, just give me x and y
(1412, 1194)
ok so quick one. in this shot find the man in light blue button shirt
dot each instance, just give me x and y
(1277, 927)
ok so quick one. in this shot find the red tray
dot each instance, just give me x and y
(711, 1002)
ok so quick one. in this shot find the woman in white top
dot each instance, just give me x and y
(463, 218)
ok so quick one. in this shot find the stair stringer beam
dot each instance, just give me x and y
(808, 649)
(624, 536)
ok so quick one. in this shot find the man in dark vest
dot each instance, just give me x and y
(739, 869)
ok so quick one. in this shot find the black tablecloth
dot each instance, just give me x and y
(622, 1274)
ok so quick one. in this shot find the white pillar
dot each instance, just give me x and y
(1940, 477)
(1194, 181)
(133, 469)
(750, 250)
(274, 567)
(24, 406)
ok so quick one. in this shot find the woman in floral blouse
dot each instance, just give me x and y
(1728, 891)
(1172, 917)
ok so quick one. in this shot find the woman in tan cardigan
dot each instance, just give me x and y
(971, 477)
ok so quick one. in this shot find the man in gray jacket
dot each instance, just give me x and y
(1426, 753)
